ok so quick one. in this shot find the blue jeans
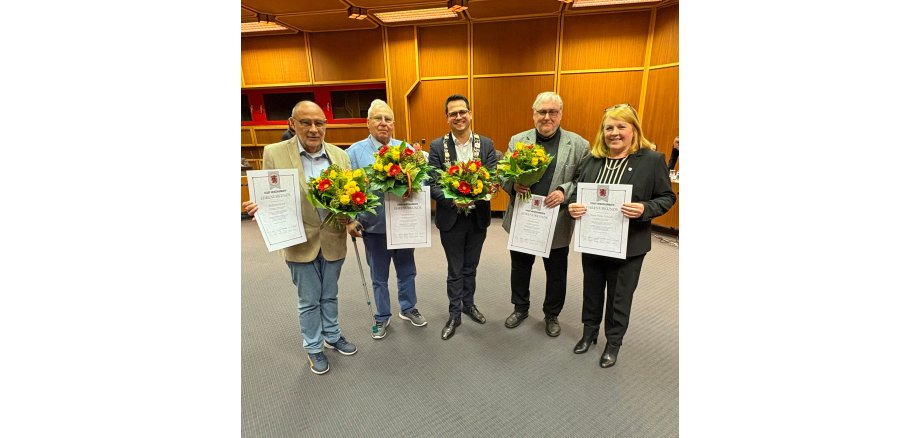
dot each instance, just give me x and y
(378, 260)
(317, 301)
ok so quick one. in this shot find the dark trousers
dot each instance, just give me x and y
(556, 267)
(462, 246)
(620, 277)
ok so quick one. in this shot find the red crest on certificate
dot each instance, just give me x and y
(602, 193)
(273, 181)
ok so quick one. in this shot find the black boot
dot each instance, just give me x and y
(589, 336)
(610, 356)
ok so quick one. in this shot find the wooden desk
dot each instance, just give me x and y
(671, 218)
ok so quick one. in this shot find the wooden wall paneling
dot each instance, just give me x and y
(426, 108)
(251, 152)
(402, 75)
(585, 95)
(518, 46)
(344, 135)
(604, 41)
(348, 56)
(269, 135)
(503, 105)
(661, 118)
(665, 47)
(280, 59)
(442, 51)
(246, 136)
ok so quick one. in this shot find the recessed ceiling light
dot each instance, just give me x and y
(415, 15)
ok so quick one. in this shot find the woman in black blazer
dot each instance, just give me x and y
(620, 155)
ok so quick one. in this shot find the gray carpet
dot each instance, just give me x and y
(485, 381)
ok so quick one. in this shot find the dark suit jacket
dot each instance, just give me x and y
(445, 212)
(651, 185)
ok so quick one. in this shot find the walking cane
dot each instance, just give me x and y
(363, 281)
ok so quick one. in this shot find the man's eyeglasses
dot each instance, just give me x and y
(379, 119)
(319, 124)
(621, 106)
(552, 113)
(458, 113)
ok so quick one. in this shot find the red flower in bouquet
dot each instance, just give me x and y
(358, 198)
(398, 170)
(466, 183)
(324, 184)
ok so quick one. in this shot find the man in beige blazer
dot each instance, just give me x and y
(568, 149)
(315, 264)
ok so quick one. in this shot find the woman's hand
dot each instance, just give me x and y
(577, 210)
(521, 189)
(633, 210)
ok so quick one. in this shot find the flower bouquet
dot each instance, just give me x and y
(466, 182)
(345, 193)
(525, 166)
(398, 170)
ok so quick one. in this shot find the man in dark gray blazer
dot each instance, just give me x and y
(462, 236)
(557, 184)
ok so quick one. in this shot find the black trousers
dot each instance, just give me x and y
(556, 267)
(620, 278)
(462, 247)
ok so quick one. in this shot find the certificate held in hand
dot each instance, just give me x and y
(603, 230)
(280, 218)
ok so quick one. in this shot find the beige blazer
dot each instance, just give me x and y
(286, 155)
(572, 149)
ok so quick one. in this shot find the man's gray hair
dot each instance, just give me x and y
(547, 95)
(377, 105)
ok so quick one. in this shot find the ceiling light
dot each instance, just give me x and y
(586, 3)
(266, 27)
(457, 5)
(566, 1)
(357, 13)
(415, 15)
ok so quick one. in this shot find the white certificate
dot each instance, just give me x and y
(532, 226)
(277, 193)
(603, 229)
(408, 220)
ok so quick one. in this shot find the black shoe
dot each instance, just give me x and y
(475, 314)
(552, 326)
(589, 336)
(610, 356)
(450, 328)
(515, 319)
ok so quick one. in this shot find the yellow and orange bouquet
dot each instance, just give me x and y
(466, 182)
(345, 193)
(525, 165)
(399, 170)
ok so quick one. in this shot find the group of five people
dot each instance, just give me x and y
(620, 154)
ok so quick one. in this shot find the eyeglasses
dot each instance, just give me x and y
(552, 113)
(319, 124)
(621, 106)
(379, 119)
(458, 113)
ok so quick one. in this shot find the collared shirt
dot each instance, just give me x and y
(362, 154)
(313, 164)
(464, 150)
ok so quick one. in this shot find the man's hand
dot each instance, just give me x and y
(521, 189)
(553, 199)
(354, 229)
(250, 208)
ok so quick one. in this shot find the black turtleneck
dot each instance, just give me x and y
(551, 145)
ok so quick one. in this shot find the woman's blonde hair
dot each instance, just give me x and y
(623, 112)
